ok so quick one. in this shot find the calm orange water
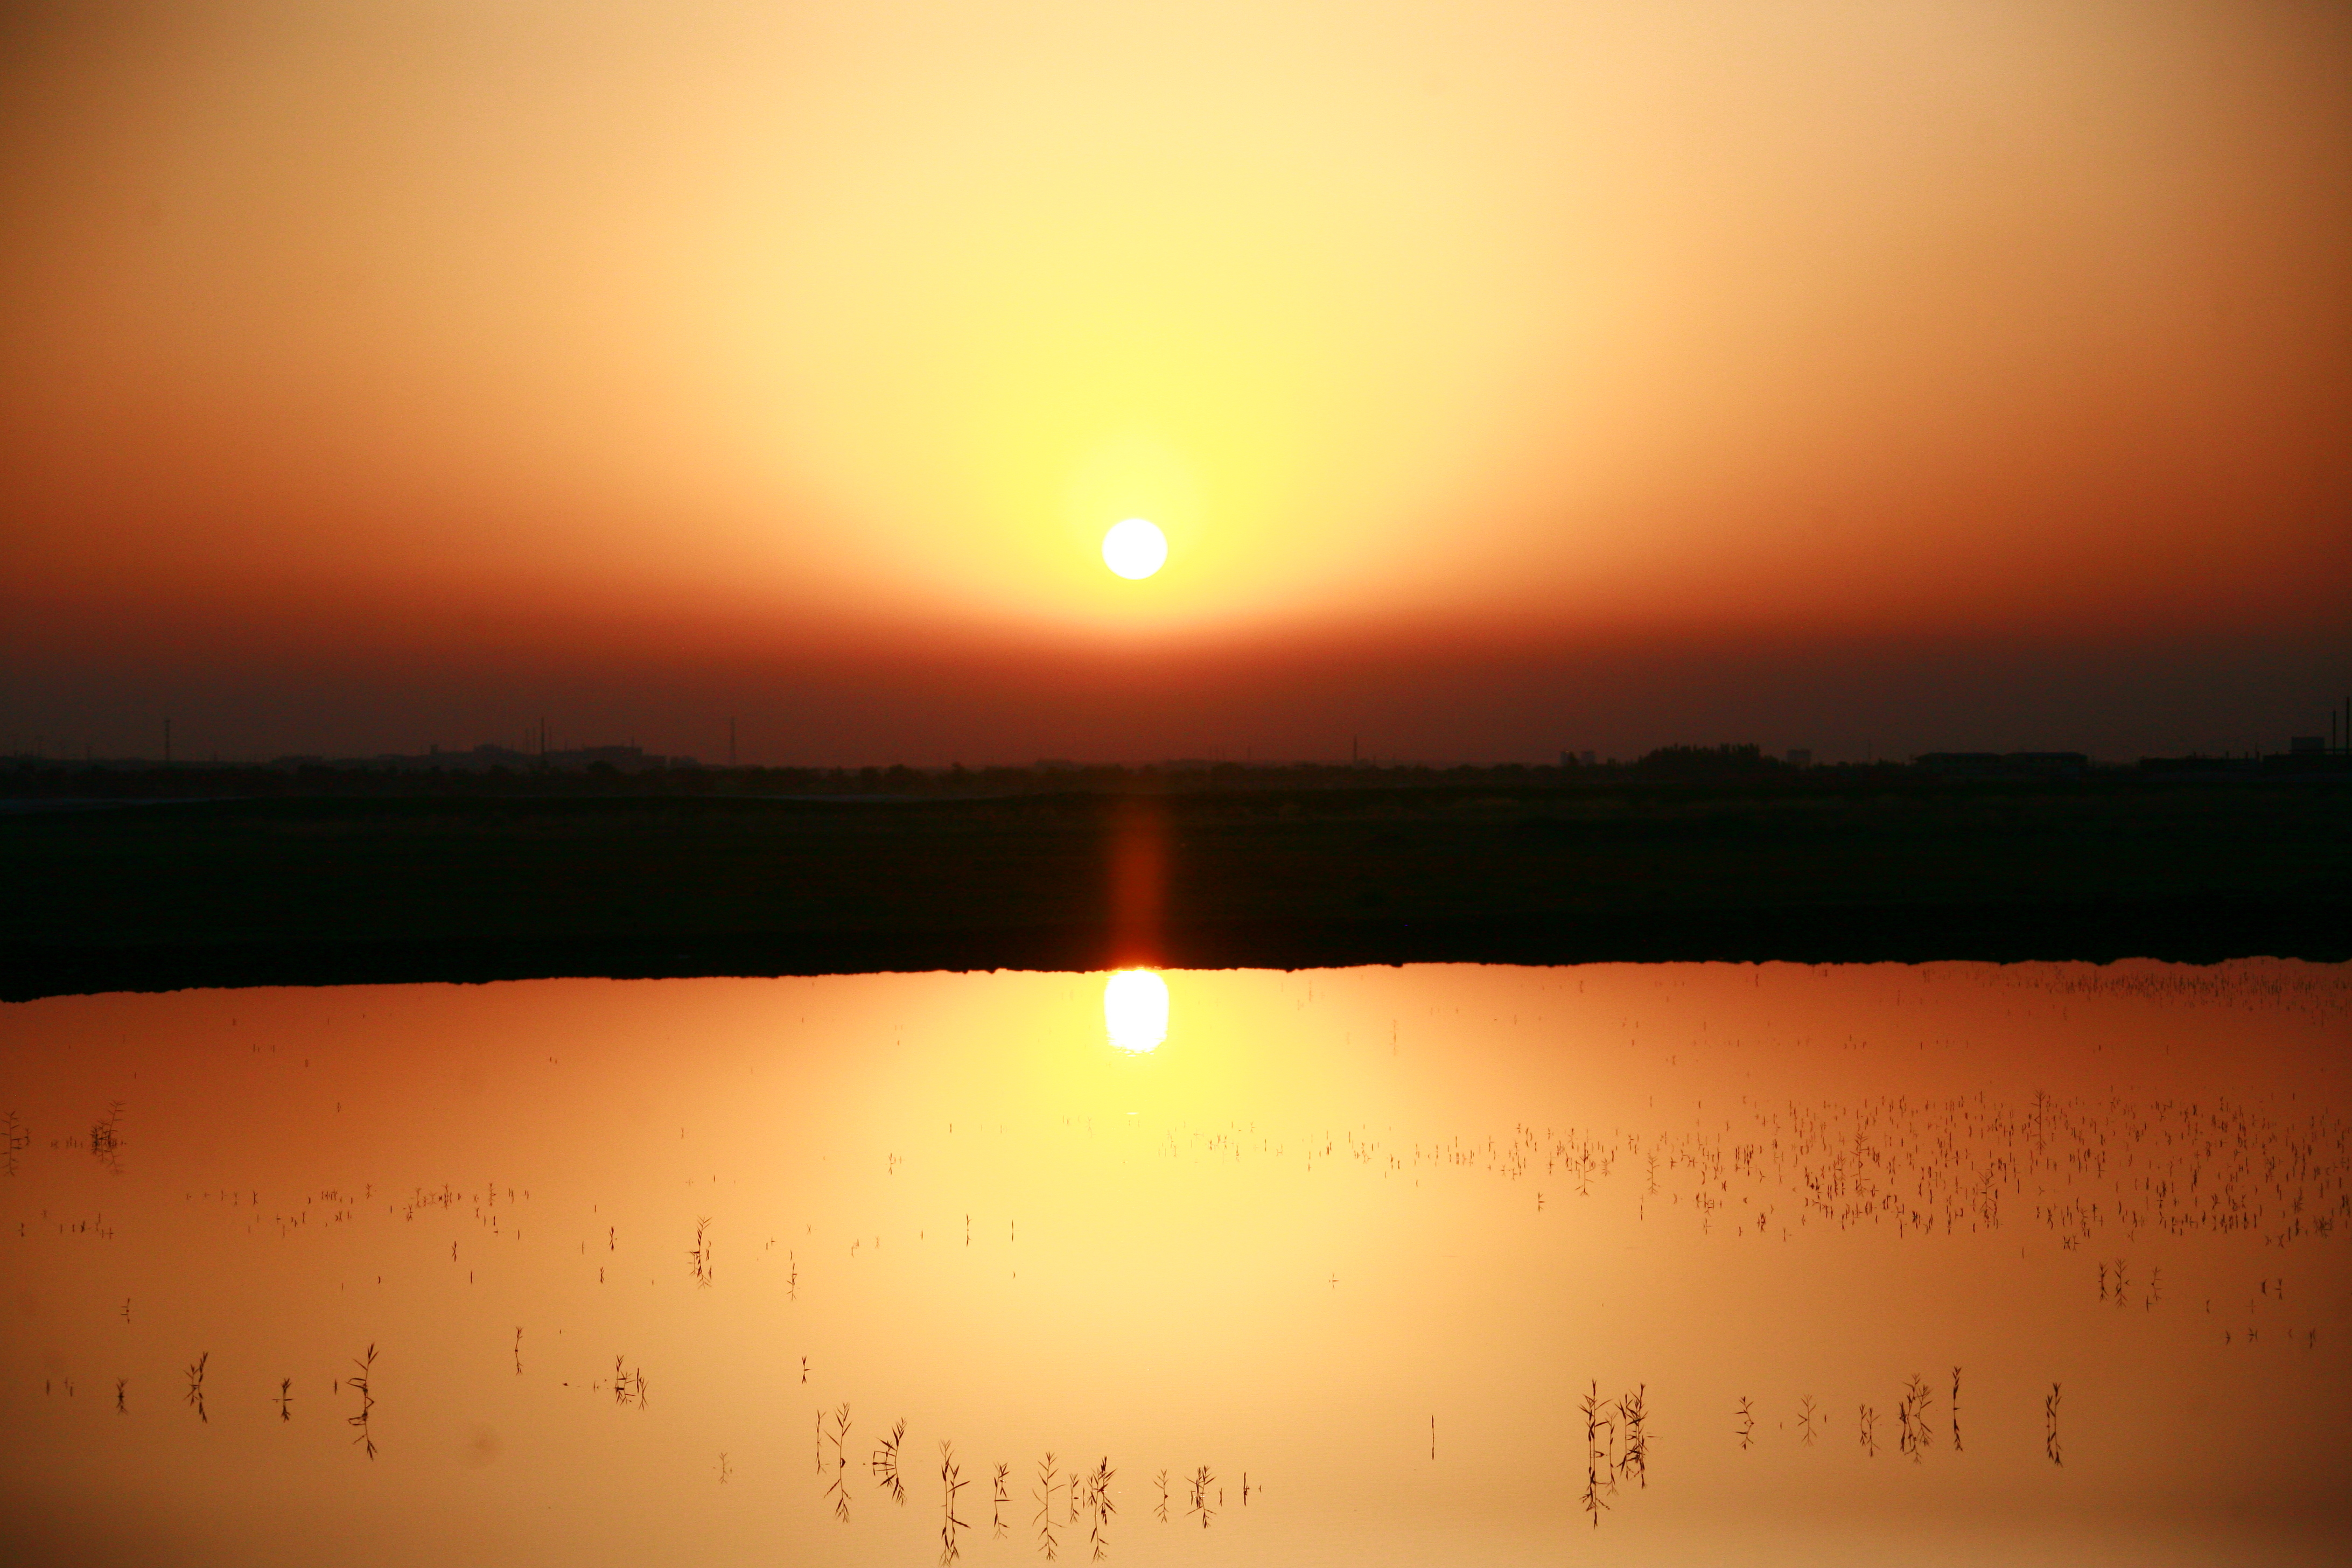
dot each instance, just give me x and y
(1643, 1264)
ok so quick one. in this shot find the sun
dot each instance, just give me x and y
(1135, 1009)
(1135, 548)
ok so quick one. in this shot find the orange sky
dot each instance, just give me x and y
(1506, 377)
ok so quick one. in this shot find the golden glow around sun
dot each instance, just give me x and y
(1134, 549)
(1135, 1009)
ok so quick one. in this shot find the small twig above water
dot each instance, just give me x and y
(952, 1484)
(363, 1380)
(885, 1464)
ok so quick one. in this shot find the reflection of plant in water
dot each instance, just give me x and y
(1869, 1431)
(699, 1257)
(1805, 1413)
(1747, 1427)
(628, 1386)
(1956, 1410)
(2050, 1427)
(196, 1386)
(838, 1436)
(1099, 1507)
(361, 1381)
(1044, 1495)
(1616, 1445)
(1915, 1436)
(951, 1482)
(1003, 1489)
(1202, 1481)
(885, 1464)
(121, 1388)
(1161, 1480)
(14, 1138)
(286, 1399)
(106, 1135)
(1594, 1462)
(1636, 1462)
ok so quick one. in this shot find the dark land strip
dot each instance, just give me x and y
(339, 888)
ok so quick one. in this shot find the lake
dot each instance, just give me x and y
(1646, 1263)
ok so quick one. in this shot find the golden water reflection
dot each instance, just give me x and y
(1699, 1263)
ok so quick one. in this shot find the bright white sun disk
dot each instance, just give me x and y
(1134, 549)
(1135, 1009)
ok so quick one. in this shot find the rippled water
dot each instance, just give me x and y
(1648, 1263)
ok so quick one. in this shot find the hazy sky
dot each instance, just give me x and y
(1506, 377)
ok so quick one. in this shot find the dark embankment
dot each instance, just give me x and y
(1519, 868)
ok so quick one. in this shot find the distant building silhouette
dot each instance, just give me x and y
(2308, 754)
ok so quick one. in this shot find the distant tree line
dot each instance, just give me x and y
(1738, 766)
(1708, 762)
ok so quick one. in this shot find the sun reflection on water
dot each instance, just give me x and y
(1135, 1009)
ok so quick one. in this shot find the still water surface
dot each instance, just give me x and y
(1641, 1264)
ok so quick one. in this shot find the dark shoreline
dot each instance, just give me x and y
(472, 888)
(2206, 932)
